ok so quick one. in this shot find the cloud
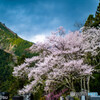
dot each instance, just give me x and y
(38, 38)
(33, 20)
(35, 38)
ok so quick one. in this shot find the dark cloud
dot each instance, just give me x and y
(40, 16)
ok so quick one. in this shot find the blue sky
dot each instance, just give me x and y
(35, 19)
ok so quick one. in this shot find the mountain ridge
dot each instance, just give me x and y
(7, 28)
(11, 42)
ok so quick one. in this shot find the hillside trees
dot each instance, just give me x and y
(89, 21)
(6, 63)
(60, 61)
(97, 17)
(11, 42)
(8, 83)
(93, 21)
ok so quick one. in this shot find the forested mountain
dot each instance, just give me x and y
(11, 42)
(13, 51)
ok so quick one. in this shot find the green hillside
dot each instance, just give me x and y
(13, 51)
(11, 42)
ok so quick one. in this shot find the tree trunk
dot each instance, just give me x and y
(81, 84)
(88, 82)
(73, 89)
(84, 84)
(72, 84)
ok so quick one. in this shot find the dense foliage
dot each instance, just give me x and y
(8, 83)
(6, 67)
(6, 64)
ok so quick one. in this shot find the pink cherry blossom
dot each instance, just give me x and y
(60, 59)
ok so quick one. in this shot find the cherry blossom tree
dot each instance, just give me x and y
(91, 44)
(59, 63)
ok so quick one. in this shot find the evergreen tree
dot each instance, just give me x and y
(93, 21)
(97, 17)
(89, 21)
